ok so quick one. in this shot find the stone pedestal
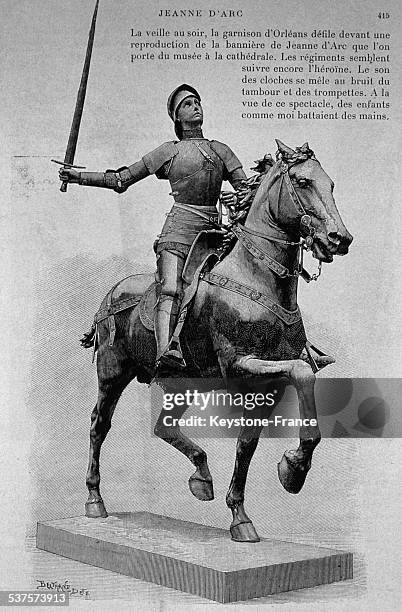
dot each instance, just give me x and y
(193, 558)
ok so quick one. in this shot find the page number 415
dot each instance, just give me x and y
(383, 15)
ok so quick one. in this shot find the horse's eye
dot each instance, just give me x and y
(302, 182)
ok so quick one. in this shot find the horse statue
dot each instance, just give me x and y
(243, 322)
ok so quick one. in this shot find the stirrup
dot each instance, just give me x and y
(172, 358)
(316, 362)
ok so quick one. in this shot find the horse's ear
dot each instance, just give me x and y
(268, 160)
(304, 148)
(283, 149)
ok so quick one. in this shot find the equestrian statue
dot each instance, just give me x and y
(223, 304)
(242, 320)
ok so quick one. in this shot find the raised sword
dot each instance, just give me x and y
(79, 105)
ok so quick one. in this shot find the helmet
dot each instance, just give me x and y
(177, 96)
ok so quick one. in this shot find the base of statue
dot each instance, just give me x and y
(192, 558)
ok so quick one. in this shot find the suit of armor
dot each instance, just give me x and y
(195, 168)
(195, 172)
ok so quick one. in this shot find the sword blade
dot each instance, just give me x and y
(79, 105)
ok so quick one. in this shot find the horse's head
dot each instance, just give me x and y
(301, 202)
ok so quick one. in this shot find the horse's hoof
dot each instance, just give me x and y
(244, 532)
(201, 488)
(292, 476)
(95, 509)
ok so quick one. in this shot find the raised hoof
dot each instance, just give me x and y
(244, 532)
(291, 476)
(95, 509)
(201, 489)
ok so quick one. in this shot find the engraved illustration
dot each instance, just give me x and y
(199, 294)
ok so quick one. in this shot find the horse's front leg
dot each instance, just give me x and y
(101, 418)
(295, 464)
(168, 429)
(114, 374)
(242, 528)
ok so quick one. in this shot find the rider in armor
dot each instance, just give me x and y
(195, 168)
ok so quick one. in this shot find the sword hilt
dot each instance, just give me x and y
(63, 186)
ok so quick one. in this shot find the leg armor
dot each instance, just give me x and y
(170, 293)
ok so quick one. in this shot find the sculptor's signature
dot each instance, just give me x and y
(59, 585)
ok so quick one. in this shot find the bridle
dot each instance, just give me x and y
(304, 243)
(245, 237)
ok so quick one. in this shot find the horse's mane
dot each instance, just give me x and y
(237, 213)
(246, 192)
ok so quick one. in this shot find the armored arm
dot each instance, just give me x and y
(237, 177)
(119, 180)
(232, 172)
(233, 169)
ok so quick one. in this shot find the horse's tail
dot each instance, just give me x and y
(88, 339)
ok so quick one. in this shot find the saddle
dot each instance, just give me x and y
(139, 290)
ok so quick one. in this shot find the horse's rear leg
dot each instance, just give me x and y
(108, 395)
(242, 528)
(200, 483)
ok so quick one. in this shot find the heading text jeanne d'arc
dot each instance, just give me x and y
(199, 13)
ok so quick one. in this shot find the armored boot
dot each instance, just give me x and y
(168, 350)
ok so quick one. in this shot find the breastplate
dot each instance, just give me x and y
(196, 173)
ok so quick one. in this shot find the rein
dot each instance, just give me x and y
(304, 244)
(245, 237)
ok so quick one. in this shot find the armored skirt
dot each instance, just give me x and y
(183, 223)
